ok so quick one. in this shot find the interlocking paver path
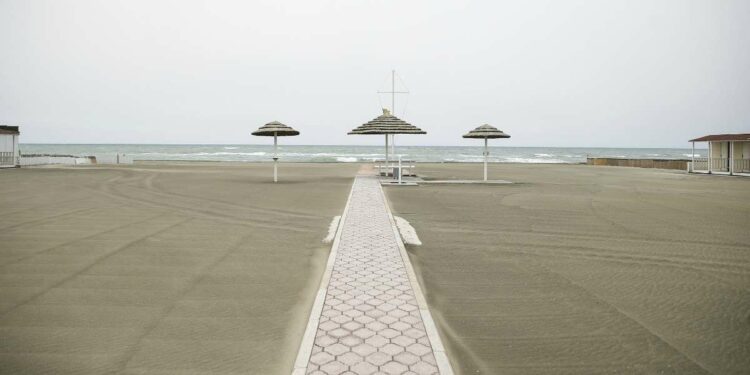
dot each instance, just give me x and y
(370, 321)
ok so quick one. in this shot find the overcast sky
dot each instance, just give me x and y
(550, 73)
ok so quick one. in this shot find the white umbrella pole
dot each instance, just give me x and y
(386, 155)
(393, 144)
(393, 152)
(486, 153)
(399, 170)
(275, 159)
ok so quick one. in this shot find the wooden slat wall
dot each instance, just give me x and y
(640, 163)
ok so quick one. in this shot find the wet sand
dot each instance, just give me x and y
(581, 270)
(162, 269)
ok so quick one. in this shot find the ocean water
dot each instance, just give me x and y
(351, 154)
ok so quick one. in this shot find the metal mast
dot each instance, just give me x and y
(393, 93)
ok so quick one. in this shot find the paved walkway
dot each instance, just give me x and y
(372, 320)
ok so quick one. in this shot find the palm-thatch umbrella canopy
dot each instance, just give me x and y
(275, 129)
(486, 132)
(387, 124)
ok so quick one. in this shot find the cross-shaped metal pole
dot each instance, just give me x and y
(393, 93)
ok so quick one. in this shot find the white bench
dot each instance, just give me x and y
(407, 167)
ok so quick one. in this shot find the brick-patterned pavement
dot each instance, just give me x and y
(370, 322)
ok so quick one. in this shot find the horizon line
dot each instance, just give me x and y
(326, 145)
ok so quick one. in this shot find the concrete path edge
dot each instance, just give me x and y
(308, 338)
(443, 363)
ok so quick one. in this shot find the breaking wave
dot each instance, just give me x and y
(351, 154)
(534, 160)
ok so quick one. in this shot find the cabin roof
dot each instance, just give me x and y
(6, 129)
(723, 137)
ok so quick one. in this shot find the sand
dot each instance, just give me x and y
(162, 269)
(580, 269)
(210, 268)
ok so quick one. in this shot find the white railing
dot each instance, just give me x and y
(7, 158)
(407, 167)
(113, 159)
(742, 165)
(700, 164)
(719, 164)
(33, 160)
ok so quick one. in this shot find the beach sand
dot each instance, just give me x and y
(581, 270)
(162, 269)
(187, 268)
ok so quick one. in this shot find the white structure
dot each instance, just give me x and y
(727, 154)
(47, 159)
(112, 159)
(9, 152)
(40, 160)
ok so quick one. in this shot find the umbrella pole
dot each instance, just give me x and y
(386, 155)
(486, 153)
(393, 151)
(399, 170)
(275, 159)
(393, 145)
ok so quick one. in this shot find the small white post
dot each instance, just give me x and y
(275, 158)
(399, 170)
(486, 153)
(710, 156)
(731, 158)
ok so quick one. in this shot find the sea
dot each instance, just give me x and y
(353, 154)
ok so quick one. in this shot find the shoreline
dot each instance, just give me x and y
(468, 153)
(240, 162)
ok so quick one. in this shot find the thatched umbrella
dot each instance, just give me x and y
(275, 129)
(486, 132)
(387, 124)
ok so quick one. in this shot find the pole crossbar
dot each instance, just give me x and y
(393, 92)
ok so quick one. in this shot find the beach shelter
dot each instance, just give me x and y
(387, 124)
(275, 129)
(486, 132)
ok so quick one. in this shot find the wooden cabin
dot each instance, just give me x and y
(727, 154)
(9, 151)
